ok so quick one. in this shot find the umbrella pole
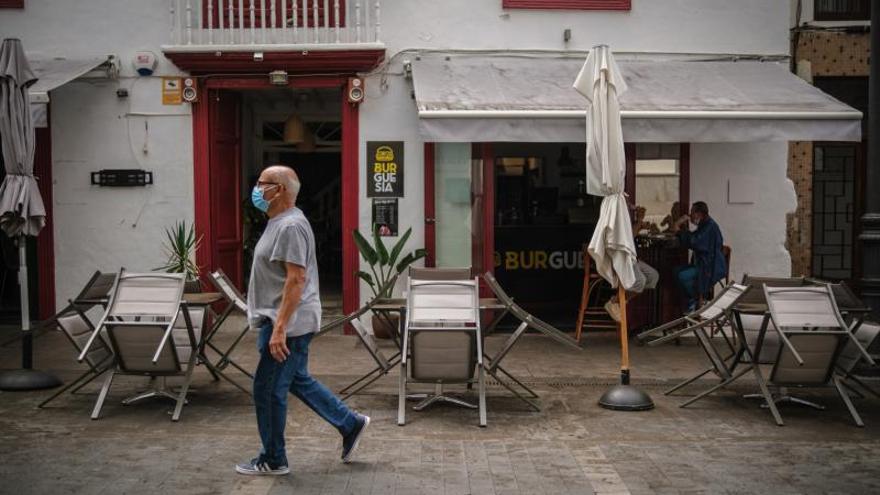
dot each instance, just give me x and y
(26, 378)
(624, 339)
(27, 342)
(625, 397)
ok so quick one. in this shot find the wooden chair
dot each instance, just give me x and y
(591, 312)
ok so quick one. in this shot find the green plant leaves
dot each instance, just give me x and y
(367, 252)
(395, 251)
(380, 247)
(180, 246)
(365, 277)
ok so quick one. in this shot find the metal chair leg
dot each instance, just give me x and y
(67, 387)
(848, 402)
(688, 381)
(96, 412)
(90, 380)
(181, 398)
(767, 395)
(716, 387)
(514, 392)
(401, 398)
(482, 391)
(532, 393)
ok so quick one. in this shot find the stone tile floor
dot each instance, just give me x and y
(722, 445)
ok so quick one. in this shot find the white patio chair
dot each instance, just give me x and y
(146, 336)
(441, 341)
(77, 328)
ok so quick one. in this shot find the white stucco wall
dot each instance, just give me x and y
(755, 230)
(106, 228)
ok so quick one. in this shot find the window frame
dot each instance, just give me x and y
(611, 5)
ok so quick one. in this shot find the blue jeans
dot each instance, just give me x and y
(272, 382)
(687, 281)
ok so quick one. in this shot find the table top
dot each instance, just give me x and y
(202, 298)
(398, 303)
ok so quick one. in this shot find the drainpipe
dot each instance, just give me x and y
(870, 236)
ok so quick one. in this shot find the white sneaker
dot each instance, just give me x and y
(613, 310)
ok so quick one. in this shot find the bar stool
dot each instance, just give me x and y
(591, 313)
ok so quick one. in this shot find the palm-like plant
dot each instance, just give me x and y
(384, 265)
(180, 246)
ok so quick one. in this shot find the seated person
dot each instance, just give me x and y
(669, 220)
(707, 263)
(646, 276)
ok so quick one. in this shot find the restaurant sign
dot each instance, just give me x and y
(385, 169)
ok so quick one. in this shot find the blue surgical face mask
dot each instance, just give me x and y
(258, 200)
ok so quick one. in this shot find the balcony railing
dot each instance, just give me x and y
(247, 24)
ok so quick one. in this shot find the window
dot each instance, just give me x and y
(569, 4)
(842, 10)
(658, 183)
(11, 4)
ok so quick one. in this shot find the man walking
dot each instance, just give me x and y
(284, 305)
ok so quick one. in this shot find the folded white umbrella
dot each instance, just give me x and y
(21, 207)
(612, 245)
(22, 212)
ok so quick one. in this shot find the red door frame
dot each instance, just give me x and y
(430, 208)
(46, 239)
(350, 137)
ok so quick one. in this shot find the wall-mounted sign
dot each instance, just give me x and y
(172, 91)
(385, 169)
(385, 216)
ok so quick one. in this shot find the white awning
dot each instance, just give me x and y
(51, 73)
(465, 98)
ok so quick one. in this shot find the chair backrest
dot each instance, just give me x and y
(809, 322)
(454, 302)
(140, 319)
(224, 285)
(723, 302)
(844, 296)
(534, 322)
(77, 330)
(97, 289)
(370, 344)
(443, 323)
(757, 283)
(461, 273)
(145, 295)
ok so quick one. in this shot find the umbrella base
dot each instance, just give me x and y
(626, 398)
(21, 380)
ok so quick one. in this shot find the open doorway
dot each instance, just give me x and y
(300, 128)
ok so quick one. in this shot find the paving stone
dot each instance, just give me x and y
(722, 444)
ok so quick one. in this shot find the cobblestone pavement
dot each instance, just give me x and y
(721, 445)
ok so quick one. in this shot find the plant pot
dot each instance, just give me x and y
(384, 328)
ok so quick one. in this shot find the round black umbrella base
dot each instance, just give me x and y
(626, 398)
(27, 380)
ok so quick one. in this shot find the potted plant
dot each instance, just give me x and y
(385, 267)
(180, 247)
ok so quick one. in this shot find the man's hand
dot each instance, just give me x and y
(278, 344)
(682, 221)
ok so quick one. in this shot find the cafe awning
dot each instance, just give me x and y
(466, 98)
(53, 72)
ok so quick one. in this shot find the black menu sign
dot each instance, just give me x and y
(385, 169)
(385, 215)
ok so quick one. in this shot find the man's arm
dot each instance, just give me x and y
(294, 283)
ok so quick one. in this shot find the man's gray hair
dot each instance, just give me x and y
(291, 183)
(287, 177)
